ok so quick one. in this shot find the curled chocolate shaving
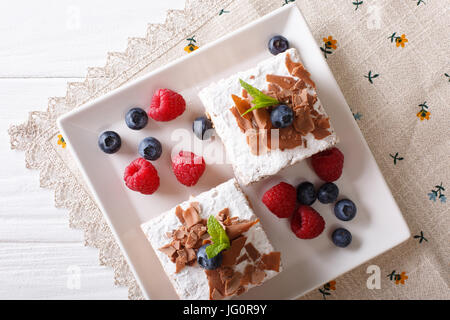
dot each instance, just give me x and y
(235, 230)
(252, 251)
(230, 255)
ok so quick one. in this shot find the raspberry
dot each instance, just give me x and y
(188, 168)
(307, 223)
(141, 176)
(166, 105)
(281, 200)
(328, 164)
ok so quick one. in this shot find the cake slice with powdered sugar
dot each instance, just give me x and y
(254, 146)
(178, 234)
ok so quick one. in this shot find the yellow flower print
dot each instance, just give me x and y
(422, 114)
(400, 41)
(61, 141)
(400, 278)
(191, 46)
(330, 42)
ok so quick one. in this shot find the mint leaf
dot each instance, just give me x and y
(260, 100)
(218, 237)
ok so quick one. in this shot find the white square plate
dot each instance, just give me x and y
(378, 226)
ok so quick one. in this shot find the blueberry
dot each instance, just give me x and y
(109, 142)
(341, 237)
(306, 194)
(150, 148)
(328, 193)
(278, 44)
(282, 116)
(136, 118)
(206, 263)
(202, 128)
(345, 210)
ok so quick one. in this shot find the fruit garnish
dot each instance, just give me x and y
(109, 142)
(218, 236)
(188, 167)
(280, 200)
(282, 116)
(208, 263)
(202, 128)
(341, 237)
(141, 176)
(260, 100)
(166, 105)
(150, 148)
(136, 118)
(345, 210)
(307, 223)
(328, 193)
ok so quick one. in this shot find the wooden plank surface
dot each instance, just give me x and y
(43, 47)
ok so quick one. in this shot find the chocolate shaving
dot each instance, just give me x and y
(257, 276)
(252, 251)
(230, 255)
(191, 217)
(242, 258)
(242, 106)
(168, 249)
(191, 255)
(240, 291)
(262, 118)
(271, 261)
(179, 214)
(303, 122)
(226, 273)
(176, 244)
(235, 230)
(216, 295)
(233, 284)
(258, 141)
(298, 70)
(191, 240)
(282, 81)
(247, 277)
(321, 126)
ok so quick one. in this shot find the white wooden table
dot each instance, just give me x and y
(43, 45)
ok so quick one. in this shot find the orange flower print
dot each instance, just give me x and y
(325, 290)
(400, 41)
(61, 141)
(423, 113)
(331, 285)
(191, 45)
(398, 277)
(401, 278)
(330, 42)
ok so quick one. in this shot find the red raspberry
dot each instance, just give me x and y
(141, 176)
(307, 223)
(166, 105)
(188, 168)
(281, 200)
(328, 164)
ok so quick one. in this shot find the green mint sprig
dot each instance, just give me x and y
(218, 236)
(260, 100)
